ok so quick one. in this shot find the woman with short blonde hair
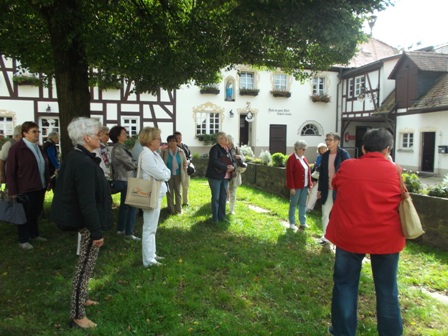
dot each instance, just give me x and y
(152, 166)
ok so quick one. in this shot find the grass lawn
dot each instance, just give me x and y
(247, 277)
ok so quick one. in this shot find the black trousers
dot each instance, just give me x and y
(33, 203)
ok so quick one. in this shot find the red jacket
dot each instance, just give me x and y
(364, 217)
(22, 172)
(295, 174)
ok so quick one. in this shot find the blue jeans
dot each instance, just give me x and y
(126, 214)
(347, 268)
(298, 201)
(219, 198)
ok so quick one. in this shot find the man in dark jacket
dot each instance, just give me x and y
(331, 161)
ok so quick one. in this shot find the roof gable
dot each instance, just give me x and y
(424, 61)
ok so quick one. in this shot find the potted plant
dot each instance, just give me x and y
(207, 139)
(249, 92)
(281, 93)
(324, 98)
(26, 79)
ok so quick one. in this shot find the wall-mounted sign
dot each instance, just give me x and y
(280, 112)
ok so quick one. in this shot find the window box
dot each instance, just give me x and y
(209, 90)
(324, 98)
(26, 80)
(281, 93)
(207, 139)
(249, 92)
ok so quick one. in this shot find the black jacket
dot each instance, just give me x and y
(341, 156)
(217, 165)
(82, 195)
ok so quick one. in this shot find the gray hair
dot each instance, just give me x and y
(104, 129)
(220, 135)
(17, 131)
(53, 135)
(299, 144)
(81, 126)
(230, 139)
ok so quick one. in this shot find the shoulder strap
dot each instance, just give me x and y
(403, 188)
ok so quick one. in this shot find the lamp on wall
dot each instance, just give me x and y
(249, 117)
(232, 114)
(48, 110)
(372, 96)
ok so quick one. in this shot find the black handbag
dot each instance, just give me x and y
(11, 211)
(190, 169)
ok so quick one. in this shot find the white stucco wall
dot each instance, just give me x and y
(417, 124)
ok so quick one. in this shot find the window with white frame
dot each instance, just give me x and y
(310, 129)
(48, 125)
(407, 140)
(131, 124)
(359, 85)
(247, 81)
(207, 123)
(280, 82)
(318, 86)
(351, 87)
(6, 125)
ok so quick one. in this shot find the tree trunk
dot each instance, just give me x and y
(70, 64)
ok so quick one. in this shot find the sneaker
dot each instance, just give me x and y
(26, 246)
(158, 258)
(121, 233)
(293, 227)
(324, 242)
(132, 237)
(41, 239)
(304, 226)
(154, 262)
(232, 212)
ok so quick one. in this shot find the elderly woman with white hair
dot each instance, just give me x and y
(236, 181)
(298, 181)
(82, 203)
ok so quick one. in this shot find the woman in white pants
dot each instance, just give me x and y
(312, 197)
(152, 165)
(237, 180)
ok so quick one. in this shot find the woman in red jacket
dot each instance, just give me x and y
(298, 181)
(365, 219)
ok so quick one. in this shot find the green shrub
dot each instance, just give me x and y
(412, 182)
(129, 143)
(196, 155)
(265, 158)
(279, 159)
(439, 189)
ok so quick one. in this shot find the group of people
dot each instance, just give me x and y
(362, 219)
(360, 199)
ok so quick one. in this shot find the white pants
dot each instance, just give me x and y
(312, 197)
(326, 209)
(150, 223)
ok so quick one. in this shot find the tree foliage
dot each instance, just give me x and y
(163, 44)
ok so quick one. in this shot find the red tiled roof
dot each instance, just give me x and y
(371, 51)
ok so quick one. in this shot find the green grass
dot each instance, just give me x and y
(247, 277)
